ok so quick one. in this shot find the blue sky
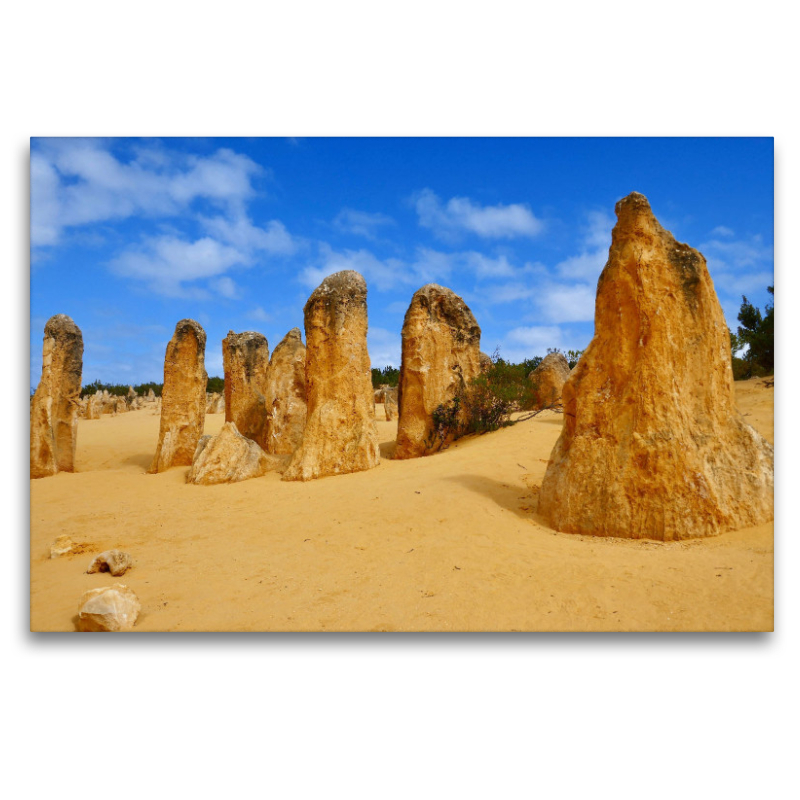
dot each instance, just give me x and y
(128, 236)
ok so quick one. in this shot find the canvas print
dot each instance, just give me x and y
(401, 384)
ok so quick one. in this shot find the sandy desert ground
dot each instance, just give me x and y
(445, 543)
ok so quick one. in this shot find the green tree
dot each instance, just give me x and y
(756, 333)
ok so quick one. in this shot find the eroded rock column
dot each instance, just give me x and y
(440, 357)
(183, 399)
(245, 359)
(653, 445)
(286, 391)
(340, 434)
(548, 379)
(55, 404)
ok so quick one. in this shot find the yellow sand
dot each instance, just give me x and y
(445, 543)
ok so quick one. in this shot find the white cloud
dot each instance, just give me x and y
(361, 223)
(427, 266)
(260, 315)
(461, 215)
(77, 182)
(165, 263)
(384, 347)
(382, 275)
(738, 253)
(738, 267)
(595, 242)
(240, 232)
(226, 288)
(566, 303)
(721, 230)
(526, 342)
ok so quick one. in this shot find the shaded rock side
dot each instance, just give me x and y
(441, 354)
(653, 445)
(183, 398)
(229, 457)
(340, 434)
(56, 402)
(110, 608)
(548, 380)
(245, 359)
(286, 388)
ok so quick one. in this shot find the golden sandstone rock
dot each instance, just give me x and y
(653, 445)
(286, 391)
(110, 608)
(228, 457)
(548, 380)
(390, 402)
(116, 562)
(245, 359)
(441, 355)
(340, 434)
(183, 399)
(55, 404)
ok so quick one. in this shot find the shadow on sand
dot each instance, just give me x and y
(512, 498)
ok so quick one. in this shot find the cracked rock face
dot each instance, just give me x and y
(441, 354)
(653, 445)
(228, 457)
(286, 390)
(340, 434)
(245, 359)
(183, 399)
(56, 402)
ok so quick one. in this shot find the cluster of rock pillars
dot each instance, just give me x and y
(652, 444)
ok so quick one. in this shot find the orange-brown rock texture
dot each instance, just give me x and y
(441, 354)
(286, 390)
(340, 434)
(653, 445)
(55, 404)
(245, 359)
(183, 398)
(228, 457)
(548, 379)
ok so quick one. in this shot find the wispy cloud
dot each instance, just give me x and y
(77, 182)
(384, 347)
(426, 266)
(461, 215)
(361, 223)
(588, 263)
(167, 263)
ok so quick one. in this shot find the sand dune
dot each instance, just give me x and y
(445, 543)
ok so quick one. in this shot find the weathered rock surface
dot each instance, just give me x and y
(245, 358)
(653, 445)
(441, 355)
(110, 608)
(486, 362)
(215, 403)
(286, 390)
(548, 379)
(390, 403)
(340, 434)
(62, 546)
(55, 404)
(116, 562)
(229, 457)
(183, 398)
